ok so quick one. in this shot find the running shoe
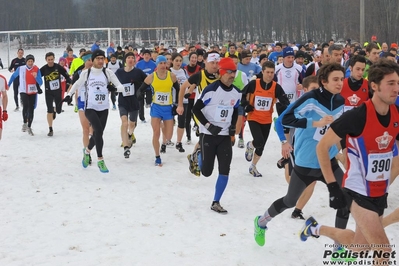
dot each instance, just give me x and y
(259, 232)
(249, 152)
(306, 231)
(158, 161)
(179, 147)
(24, 127)
(30, 132)
(101, 165)
(217, 208)
(86, 159)
(241, 143)
(253, 171)
(163, 148)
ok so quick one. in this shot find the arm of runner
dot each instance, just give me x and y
(199, 104)
(80, 82)
(182, 91)
(13, 76)
(322, 149)
(114, 79)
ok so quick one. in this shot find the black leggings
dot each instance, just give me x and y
(15, 86)
(301, 177)
(28, 101)
(188, 107)
(98, 121)
(260, 134)
(215, 146)
(51, 98)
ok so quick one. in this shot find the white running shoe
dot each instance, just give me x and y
(253, 171)
(24, 127)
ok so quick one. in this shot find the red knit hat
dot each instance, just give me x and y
(226, 64)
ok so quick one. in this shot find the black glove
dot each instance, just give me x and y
(187, 95)
(337, 197)
(111, 87)
(67, 99)
(39, 90)
(214, 129)
(232, 130)
(249, 108)
(140, 94)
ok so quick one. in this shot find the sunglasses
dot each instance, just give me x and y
(229, 71)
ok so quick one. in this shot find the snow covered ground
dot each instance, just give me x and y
(54, 212)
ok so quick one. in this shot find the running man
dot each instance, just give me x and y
(370, 132)
(52, 73)
(217, 112)
(30, 80)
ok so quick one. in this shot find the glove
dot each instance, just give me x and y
(249, 108)
(337, 197)
(39, 90)
(232, 130)
(111, 87)
(5, 116)
(140, 95)
(187, 95)
(214, 129)
(67, 99)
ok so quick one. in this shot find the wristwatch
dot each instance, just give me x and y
(284, 141)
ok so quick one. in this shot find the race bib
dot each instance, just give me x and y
(162, 98)
(32, 88)
(290, 96)
(54, 84)
(379, 166)
(100, 97)
(263, 103)
(128, 90)
(223, 113)
(320, 132)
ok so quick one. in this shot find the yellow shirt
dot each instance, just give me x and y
(162, 89)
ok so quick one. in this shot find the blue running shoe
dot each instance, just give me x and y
(306, 232)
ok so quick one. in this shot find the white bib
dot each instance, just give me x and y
(320, 132)
(128, 89)
(223, 113)
(32, 88)
(263, 103)
(162, 98)
(379, 166)
(54, 84)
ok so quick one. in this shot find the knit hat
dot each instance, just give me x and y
(394, 45)
(300, 54)
(288, 51)
(226, 64)
(262, 56)
(29, 56)
(160, 59)
(62, 59)
(146, 51)
(97, 53)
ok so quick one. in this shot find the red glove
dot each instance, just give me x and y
(5, 115)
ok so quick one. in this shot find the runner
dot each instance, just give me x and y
(3, 102)
(97, 84)
(52, 73)
(132, 78)
(310, 115)
(199, 80)
(15, 63)
(217, 111)
(370, 132)
(259, 97)
(161, 81)
(30, 80)
(181, 76)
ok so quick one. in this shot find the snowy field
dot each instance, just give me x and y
(54, 212)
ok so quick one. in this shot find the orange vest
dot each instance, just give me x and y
(263, 101)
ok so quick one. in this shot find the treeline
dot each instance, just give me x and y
(213, 21)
